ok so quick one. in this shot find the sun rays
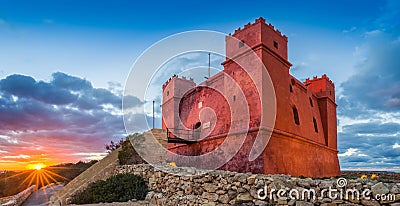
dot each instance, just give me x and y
(37, 175)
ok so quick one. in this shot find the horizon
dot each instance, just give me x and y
(63, 71)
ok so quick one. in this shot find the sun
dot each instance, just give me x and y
(37, 166)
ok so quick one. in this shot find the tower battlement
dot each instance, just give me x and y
(321, 86)
(177, 77)
(259, 21)
(316, 78)
(257, 35)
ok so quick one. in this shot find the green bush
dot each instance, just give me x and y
(128, 155)
(118, 188)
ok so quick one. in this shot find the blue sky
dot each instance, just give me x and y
(96, 42)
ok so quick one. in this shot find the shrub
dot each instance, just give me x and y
(128, 155)
(118, 188)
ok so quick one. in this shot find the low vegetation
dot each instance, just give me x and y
(118, 188)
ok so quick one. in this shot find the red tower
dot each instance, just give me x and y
(304, 138)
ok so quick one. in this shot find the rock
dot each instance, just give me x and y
(260, 203)
(251, 179)
(328, 204)
(325, 184)
(188, 189)
(241, 190)
(241, 178)
(209, 187)
(326, 200)
(337, 202)
(282, 202)
(210, 196)
(305, 183)
(370, 202)
(244, 197)
(379, 189)
(303, 203)
(253, 193)
(292, 202)
(223, 199)
(220, 192)
(231, 194)
(246, 187)
(394, 189)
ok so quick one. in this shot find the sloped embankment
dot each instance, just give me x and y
(99, 171)
(106, 167)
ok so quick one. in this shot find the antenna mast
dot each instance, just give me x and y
(209, 65)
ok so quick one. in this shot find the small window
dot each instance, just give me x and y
(311, 102)
(234, 97)
(275, 44)
(315, 125)
(290, 88)
(167, 93)
(241, 44)
(296, 116)
(197, 125)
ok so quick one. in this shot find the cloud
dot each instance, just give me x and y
(60, 117)
(369, 104)
(353, 28)
(27, 87)
(372, 128)
(91, 155)
(352, 152)
(9, 139)
(21, 156)
(66, 81)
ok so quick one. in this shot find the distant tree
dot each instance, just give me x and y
(113, 145)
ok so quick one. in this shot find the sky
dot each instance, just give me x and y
(63, 67)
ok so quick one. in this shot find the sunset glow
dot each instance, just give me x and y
(37, 166)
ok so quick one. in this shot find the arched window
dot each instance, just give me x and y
(296, 115)
(290, 88)
(311, 102)
(197, 125)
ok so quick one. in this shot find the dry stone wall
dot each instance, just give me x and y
(216, 187)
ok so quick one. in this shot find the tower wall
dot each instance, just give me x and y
(324, 90)
(173, 90)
